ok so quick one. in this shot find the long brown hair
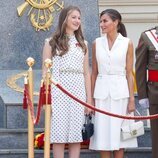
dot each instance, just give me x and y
(115, 15)
(59, 41)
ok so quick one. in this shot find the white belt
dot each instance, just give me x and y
(112, 73)
(70, 71)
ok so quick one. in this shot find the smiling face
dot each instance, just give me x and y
(73, 22)
(107, 25)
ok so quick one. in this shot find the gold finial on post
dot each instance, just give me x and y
(48, 63)
(30, 61)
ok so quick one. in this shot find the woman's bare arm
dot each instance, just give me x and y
(94, 68)
(47, 54)
(130, 77)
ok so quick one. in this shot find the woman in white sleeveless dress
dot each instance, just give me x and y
(69, 53)
(112, 85)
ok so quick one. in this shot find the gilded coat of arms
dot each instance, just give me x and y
(41, 12)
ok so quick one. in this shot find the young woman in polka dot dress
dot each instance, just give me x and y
(69, 53)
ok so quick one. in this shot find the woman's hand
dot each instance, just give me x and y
(131, 105)
(88, 110)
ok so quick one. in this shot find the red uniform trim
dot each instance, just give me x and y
(153, 75)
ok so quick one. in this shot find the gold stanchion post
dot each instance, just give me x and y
(48, 64)
(30, 61)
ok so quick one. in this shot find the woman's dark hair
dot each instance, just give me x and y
(115, 15)
(59, 41)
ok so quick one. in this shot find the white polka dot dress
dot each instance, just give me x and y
(68, 115)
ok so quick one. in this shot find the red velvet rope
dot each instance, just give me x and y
(105, 112)
(35, 120)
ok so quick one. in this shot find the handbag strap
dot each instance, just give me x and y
(88, 119)
(127, 115)
(127, 120)
(136, 111)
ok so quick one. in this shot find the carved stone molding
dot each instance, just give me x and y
(133, 11)
(127, 3)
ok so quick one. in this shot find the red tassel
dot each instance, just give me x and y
(25, 101)
(49, 94)
(43, 95)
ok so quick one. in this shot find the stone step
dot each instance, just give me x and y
(141, 152)
(16, 117)
(17, 138)
(145, 140)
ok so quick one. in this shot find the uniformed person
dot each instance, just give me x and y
(147, 78)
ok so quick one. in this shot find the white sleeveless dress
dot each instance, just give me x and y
(68, 115)
(111, 94)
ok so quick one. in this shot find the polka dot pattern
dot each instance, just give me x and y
(68, 115)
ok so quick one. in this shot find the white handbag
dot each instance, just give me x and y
(132, 130)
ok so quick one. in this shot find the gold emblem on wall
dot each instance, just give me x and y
(41, 12)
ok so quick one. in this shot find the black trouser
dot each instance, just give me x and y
(154, 130)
